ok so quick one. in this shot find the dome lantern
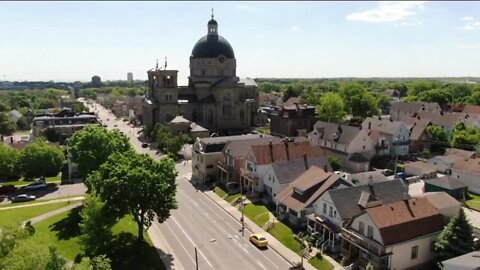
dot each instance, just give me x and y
(212, 26)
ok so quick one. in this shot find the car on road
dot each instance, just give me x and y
(115, 125)
(7, 189)
(144, 145)
(23, 198)
(36, 185)
(258, 240)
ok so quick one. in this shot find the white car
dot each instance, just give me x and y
(23, 198)
(35, 185)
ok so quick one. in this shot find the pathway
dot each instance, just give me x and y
(79, 198)
(51, 213)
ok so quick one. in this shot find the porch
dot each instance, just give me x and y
(225, 172)
(248, 182)
(327, 234)
(360, 250)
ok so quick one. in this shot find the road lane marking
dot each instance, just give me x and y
(261, 265)
(180, 242)
(201, 253)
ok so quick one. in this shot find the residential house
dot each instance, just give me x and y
(397, 134)
(471, 109)
(292, 120)
(419, 137)
(381, 143)
(401, 109)
(296, 200)
(281, 173)
(421, 169)
(399, 235)
(365, 178)
(468, 171)
(469, 261)
(270, 100)
(352, 145)
(443, 202)
(444, 163)
(180, 124)
(336, 207)
(447, 121)
(207, 152)
(261, 156)
(235, 153)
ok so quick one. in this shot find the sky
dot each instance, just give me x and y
(68, 41)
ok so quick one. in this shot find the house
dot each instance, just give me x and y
(395, 132)
(352, 145)
(444, 163)
(292, 120)
(235, 153)
(365, 178)
(421, 169)
(401, 109)
(336, 207)
(443, 202)
(399, 235)
(381, 143)
(469, 261)
(14, 115)
(270, 100)
(296, 200)
(471, 109)
(419, 137)
(468, 171)
(180, 124)
(207, 152)
(447, 121)
(260, 156)
(281, 173)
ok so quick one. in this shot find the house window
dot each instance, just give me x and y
(325, 208)
(364, 147)
(361, 228)
(298, 191)
(414, 252)
(330, 213)
(369, 232)
(334, 214)
(209, 166)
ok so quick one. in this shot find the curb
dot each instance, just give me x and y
(247, 227)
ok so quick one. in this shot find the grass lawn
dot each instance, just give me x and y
(474, 201)
(21, 182)
(38, 201)
(285, 235)
(220, 192)
(257, 213)
(17, 216)
(321, 264)
(62, 231)
(232, 198)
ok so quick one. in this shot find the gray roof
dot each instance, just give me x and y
(346, 199)
(446, 182)
(415, 106)
(448, 120)
(179, 119)
(248, 82)
(384, 125)
(334, 132)
(194, 127)
(288, 170)
(240, 148)
(469, 261)
(225, 139)
(365, 177)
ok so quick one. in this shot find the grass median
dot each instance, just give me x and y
(473, 202)
(320, 263)
(17, 216)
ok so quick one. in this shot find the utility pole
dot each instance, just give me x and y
(301, 248)
(196, 258)
(242, 205)
(396, 156)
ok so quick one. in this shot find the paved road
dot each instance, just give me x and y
(49, 193)
(200, 222)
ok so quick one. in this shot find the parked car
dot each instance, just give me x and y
(36, 185)
(144, 145)
(259, 240)
(23, 198)
(7, 189)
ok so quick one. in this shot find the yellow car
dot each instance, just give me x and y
(258, 240)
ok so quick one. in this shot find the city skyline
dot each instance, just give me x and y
(69, 41)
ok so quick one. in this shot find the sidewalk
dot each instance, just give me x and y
(51, 213)
(273, 243)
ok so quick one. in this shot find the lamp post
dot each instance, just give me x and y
(300, 235)
(242, 205)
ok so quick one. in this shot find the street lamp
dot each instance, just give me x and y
(242, 205)
(300, 235)
(196, 253)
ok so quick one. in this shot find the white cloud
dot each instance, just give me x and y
(388, 12)
(408, 23)
(470, 24)
(295, 28)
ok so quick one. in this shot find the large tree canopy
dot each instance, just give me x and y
(9, 162)
(41, 159)
(91, 147)
(135, 184)
(7, 126)
(358, 101)
(331, 108)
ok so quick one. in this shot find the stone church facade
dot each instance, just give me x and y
(215, 97)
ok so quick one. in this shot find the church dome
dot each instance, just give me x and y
(212, 46)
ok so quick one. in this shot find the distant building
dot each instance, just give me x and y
(292, 120)
(96, 81)
(130, 76)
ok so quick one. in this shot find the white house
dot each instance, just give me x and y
(395, 132)
(399, 235)
(468, 171)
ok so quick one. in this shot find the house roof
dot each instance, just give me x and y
(459, 152)
(416, 126)
(279, 150)
(383, 125)
(365, 177)
(446, 182)
(194, 127)
(292, 101)
(415, 106)
(346, 199)
(241, 148)
(413, 218)
(313, 182)
(471, 109)
(286, 171)
(421, 165)
(467, 261)
(440, 200)
(216, 144)
(334, 132)
(179, 119)
(469, 165)
(448, 120)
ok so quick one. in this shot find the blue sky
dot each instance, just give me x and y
(76, 40)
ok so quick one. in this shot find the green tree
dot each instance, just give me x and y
(465, 137)
(55, 260)
(440, 96)
(9, 162)
(100, 262)
(23, 124)
(290, 92)
(40, 159)
(96, 226)
(475, 98)
(456, 239)
(331, 108)
(27, 254)
(358, 101)
(438, 138)
(91, 147)
(416, 87)
(8, 240)
(335, 163)
(136, 184)
(7, 126)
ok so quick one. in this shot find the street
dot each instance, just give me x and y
(199, 222)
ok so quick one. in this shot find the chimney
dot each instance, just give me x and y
(286, 149)
(369, 125)
(325, 168)
(271, 149)
(305, 161)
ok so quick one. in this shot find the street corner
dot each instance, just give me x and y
(187, 176)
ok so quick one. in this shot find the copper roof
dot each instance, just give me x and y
(278, 151)
(413, 218)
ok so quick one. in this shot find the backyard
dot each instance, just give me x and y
(473, 202)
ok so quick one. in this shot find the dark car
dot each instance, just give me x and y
(7, 189)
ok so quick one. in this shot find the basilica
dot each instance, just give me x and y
(215, 97)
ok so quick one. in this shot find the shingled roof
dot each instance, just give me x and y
(278, 151)
(334, 132)
(415, 106)
(446, 182)
(287, 170)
